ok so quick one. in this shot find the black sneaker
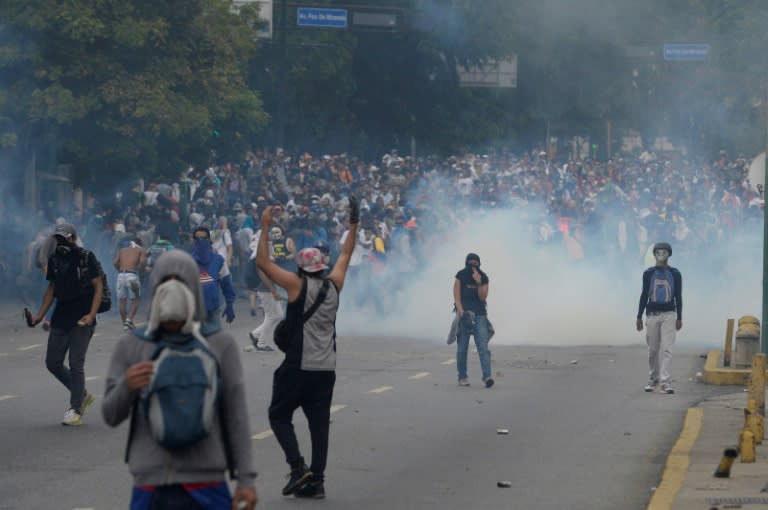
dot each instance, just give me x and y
(264, 348)
(312, 490)
(253, 313)
(296, 479)
(489, 382)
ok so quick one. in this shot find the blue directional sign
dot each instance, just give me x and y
(318, 17)
(686, 52)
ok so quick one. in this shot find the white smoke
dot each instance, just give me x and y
(539, 297)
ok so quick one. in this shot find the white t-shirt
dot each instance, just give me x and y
(222, 239)
(362, 249)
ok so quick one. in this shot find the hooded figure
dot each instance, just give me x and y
(213, 272)
(176, 314)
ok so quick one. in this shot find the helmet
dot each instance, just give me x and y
(663, 246)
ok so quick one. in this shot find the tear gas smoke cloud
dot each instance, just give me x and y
(539, 297)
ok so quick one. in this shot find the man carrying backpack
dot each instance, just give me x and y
(307, 375)
(180, 381)
(75, 281)
(662, 301)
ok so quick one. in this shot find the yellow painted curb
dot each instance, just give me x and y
(677, 462)
(715, 374)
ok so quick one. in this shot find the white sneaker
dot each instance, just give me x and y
(72, 418)
(463, 382)
(651, 386)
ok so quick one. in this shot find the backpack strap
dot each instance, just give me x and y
(228, 456)
(318, 301)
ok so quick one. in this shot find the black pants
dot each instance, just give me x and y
(312, 391)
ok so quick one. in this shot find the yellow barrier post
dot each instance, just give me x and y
(728, 343)
(747, 446)
(757, 394)
(724, 468)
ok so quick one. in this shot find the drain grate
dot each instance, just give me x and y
(759, 500)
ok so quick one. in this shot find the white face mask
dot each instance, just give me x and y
(661, 256)
(173, 301)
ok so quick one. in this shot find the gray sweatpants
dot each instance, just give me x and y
(75, 341)
(660, 335)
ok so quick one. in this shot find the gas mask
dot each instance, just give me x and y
(276, 234)
(173, 301)
(62, 246)
(661, 256)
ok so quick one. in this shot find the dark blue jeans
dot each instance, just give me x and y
(480, 332)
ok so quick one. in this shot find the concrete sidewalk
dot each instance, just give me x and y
(688, 482)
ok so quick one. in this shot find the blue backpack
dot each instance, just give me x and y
(662, 288)
(181, 400)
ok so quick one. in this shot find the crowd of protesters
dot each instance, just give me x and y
(613, 209)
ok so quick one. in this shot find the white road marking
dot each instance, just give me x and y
(420, 375)
(89, 508)
(3, 354)
(382, 389)
(8, 397)
(449, 361)
(92, 378)
(28, 347)
(263, 435)
(337, 407)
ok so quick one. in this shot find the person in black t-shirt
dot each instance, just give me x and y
(470, 293)
(74, 318)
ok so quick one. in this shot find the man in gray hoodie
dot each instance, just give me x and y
(193, 477)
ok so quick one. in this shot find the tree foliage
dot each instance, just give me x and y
(128, 87)
(149, 87)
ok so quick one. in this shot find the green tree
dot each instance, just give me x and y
(128, 87)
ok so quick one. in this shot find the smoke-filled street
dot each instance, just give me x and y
(490, 242)
(581, 432)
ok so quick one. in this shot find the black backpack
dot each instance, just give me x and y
(72, 282)
(288, 334)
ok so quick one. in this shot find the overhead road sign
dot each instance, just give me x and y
(374, 19)
(686, 52)
(319, 17)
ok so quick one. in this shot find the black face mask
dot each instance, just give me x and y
(62, 247)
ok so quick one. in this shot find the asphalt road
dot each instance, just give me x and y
(582, 433)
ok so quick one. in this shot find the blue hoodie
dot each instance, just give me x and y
(213, 272)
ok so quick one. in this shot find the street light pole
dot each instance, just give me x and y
(763, 336)
(281, 74)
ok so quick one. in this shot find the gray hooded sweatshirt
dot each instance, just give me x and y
(150, 463)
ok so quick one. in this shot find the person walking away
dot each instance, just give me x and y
(75, 281)
(190, 473)
(662, 301)
(214, 273)
(160, 246)
(470, 295)
(130, 261)
(307, 375)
